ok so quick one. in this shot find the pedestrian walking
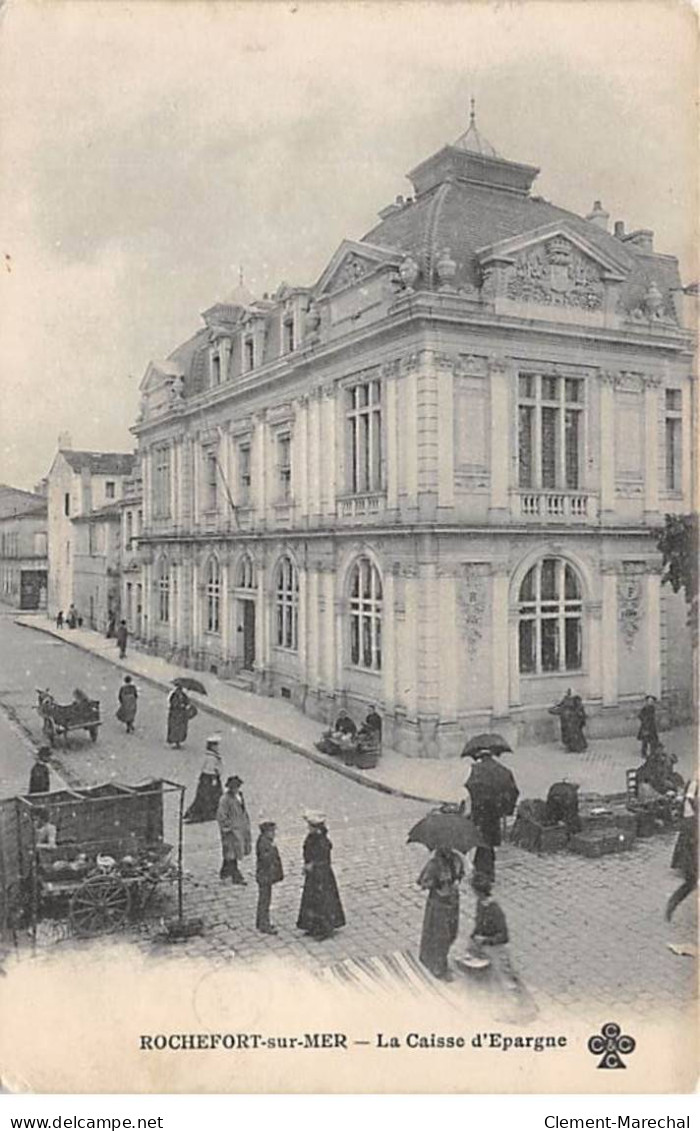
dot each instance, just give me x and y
(122, 637)
(268, 871)
(59, 619)
(111, 624)
(648, 733)
(321, 911)
(128, 701)
(441, 878)
(234, 827)
(564, 711)
(494, 795)
(685, 852)
(39, 776)
(209, 788)
(180, 712)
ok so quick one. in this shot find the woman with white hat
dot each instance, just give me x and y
(321, 911)
(209, 788)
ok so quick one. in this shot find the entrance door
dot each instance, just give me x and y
(248, 635)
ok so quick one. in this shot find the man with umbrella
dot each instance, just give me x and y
(493, 794)
(447, 833)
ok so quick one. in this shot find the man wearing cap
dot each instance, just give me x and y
(234, 827)
(209, 788)
(39, 777)
(268, 871)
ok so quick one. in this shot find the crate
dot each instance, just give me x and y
(602, 842)
(554, 838)
(616, 817)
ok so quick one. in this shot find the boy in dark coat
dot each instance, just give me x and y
(268, 871)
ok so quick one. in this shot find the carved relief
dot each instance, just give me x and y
(472, 601)
(629, 605)
(351, 270)
(557, 274)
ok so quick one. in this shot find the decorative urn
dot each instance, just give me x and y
(446, 269)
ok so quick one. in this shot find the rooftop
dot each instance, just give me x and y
(100, 463)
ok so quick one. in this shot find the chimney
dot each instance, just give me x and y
(643, 238)
(598, 216)
(620, 229)
(65, 443)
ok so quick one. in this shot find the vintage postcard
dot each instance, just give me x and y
(348, 573)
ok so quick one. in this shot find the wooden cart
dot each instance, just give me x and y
(109, 857)
(58, 719)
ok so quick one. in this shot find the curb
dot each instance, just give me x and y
(250, 728)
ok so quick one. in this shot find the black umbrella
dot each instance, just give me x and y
(493, 743)
(189, 684)
(446, 830)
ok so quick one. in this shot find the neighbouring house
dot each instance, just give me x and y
(80, 483)
(131, 600)
(23, 548)
(433, 480)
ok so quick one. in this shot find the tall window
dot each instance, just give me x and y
(366, 616)
(161, 481)
(674, 451)
(129, 532)
(287, 606)
(110, 488)
(66, 503)
(288, 335)
(550, 618)
(211, 481)
(364, 437)
(245, 577)
(248, 354)
(213, 577)
(550, 416)
(284, 466)
(163, 590)
(215, 369)
(244, 475)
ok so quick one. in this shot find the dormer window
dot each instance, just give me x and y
(215, 369)
(248, 354)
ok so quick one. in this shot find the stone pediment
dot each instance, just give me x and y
(158, 374)
(353, 264)
(553, 266)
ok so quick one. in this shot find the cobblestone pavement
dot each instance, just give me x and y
(581, 930)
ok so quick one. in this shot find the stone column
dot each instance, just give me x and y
(147, 502)
(651, 445)
(262, 621)
(687, 472)
(301, 445)
(225, 625)
(428, 632)
(428, 444)
(445, 426)
(314, 457)
(448, 645)
(259, 468)
(592, 626)
(329, 632)
(609, 635)
(409, 652)
(329, 450)
(500, 437)
(302, 624)
(606, 388)
(388, 642)
(652, 605)
(408, 430)
(500, 664)
(391, 433)
(312, 620)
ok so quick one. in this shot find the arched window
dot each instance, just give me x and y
(365, 615)
(163, 590)
(245, 577)
(550, 618)
(213, 583)
(287, 605)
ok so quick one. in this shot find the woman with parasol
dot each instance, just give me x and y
(494, 795)
(447, 833)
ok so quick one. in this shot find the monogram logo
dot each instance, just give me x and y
(609, 1044)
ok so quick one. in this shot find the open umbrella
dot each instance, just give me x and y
(189, 684)
(446, 830)
(494, 743)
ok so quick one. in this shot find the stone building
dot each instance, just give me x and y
(23, 548)
(79, 483)
(431, 481)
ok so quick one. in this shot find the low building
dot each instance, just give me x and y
(131, 507)
(23, 548)
(79, 483)
(433, 480)
(97, 565)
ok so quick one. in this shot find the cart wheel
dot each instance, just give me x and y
(93, 733)
(50, 731)
(100, 904)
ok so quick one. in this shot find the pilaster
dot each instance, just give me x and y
(606, 387)
(445, 425)
(448, 647)
(609, 635)
(652, 587)
(500, 669)
(500, 436)
(391, 430)
(651, 445)
(329, 450)
(389, 643)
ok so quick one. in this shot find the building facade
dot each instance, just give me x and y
(23, 548)
(80, 483)
(433, 481)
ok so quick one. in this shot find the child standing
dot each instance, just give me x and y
(268, 871)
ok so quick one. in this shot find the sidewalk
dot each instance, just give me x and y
(601, 769)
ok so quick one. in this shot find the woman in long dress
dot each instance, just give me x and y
(209, 788)
(441, 877)
(180, 711)
(321, 911)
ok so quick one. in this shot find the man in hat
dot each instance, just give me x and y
(268, 871)
(39, 777)
(234, 827)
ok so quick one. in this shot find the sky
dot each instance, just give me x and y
(148, 151)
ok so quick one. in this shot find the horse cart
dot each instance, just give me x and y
(58, 719)
(90, 860)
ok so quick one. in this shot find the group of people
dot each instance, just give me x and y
(494, 794)
(321, 911)
(358, 746)
(72, 618)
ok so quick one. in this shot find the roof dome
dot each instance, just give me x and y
(472, 141)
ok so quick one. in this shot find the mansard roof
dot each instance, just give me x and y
(100, 463)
